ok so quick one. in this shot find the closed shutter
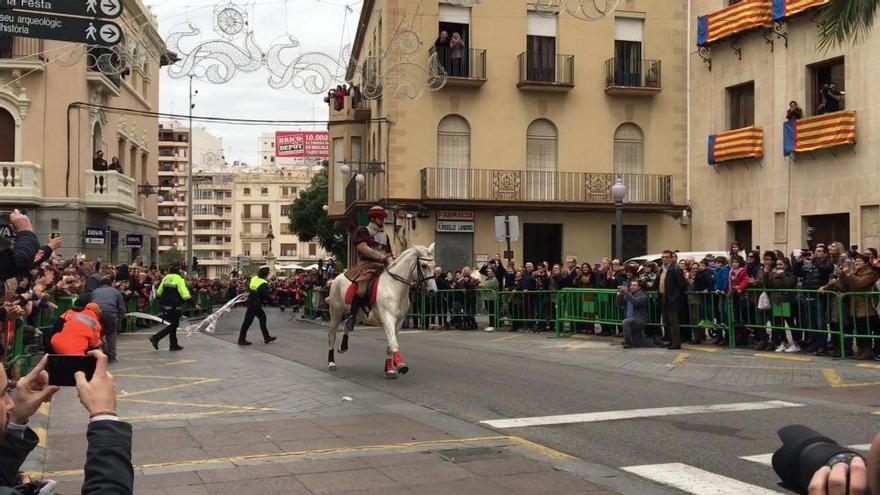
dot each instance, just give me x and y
(454, 250)
(453, 156)
(541, 160)
(629, 144)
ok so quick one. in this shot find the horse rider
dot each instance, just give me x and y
(258, 294)
(373, 248)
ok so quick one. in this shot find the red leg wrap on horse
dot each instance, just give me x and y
(397, 359)
(388, 366)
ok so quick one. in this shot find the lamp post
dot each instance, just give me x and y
(270, 258)
(189, 182)
(618, 193)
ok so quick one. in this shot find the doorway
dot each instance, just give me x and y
(740, 232)
(542, 242)
(635, 241)
(829, 228)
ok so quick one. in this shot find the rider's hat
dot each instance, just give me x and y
(376, 211)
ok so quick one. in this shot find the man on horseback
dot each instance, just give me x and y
(373, 248)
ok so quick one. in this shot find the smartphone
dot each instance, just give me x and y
(63, 367)
(4, 217)
(54, 235)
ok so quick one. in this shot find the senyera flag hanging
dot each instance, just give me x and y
(748, 14)
(736, 145)
(788, 8)
(820, 132)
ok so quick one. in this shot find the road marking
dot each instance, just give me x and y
(782, 357)
(869, 366)
(836, 381)
(754, 367)
(696, 481)
(546, 451)
(766, 459)
(42, 435)
(173, 387)
(680, 359)
(698, 348)
(44, 409)
(506, 338)
(403, 332)
(596, 417)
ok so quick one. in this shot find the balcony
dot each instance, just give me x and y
(464, 67)
(632, 77)
(21, 53)
(370, 192)
(545, 72)
(110, 191)
(108, 80)
(254, 235)
(350, 109)
(546, 188)
(21, 183)
(250, 218)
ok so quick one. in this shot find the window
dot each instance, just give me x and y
(338, 176)
(454, 19)
(453, 156)
(264, 191)
(265, 211)
(272, 159)
(288, 250)
(247, 191)
(313, 249)
(741, 100)
(541, 32)
(628, 35)
(285, 211)
(827, 86)
(629, 144)
(541, 151)
(264, 247)
(7, 136)
(285, 228)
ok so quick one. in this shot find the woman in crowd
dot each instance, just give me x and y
(779, 281)
(861, 317)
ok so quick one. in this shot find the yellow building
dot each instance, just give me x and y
(54, 118)
(540, 112)
(262, 200)
(755, 193)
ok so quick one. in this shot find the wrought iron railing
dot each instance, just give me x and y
(542, 186)
(546, 68)
(468, 63)
(371, 190)
(632, 73)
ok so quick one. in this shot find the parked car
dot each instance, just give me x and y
(695, 255)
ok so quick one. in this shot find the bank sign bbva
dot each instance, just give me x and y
(94, 236)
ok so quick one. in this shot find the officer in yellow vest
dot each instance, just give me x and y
(258, 295)
(172, 293)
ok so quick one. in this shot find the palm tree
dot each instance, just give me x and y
(845, 21)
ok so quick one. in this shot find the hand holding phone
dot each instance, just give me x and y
(63, 367)
(31, 392)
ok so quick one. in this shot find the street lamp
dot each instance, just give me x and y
(270, 258)
(344, 168)
(189, 181)
(360, 179)
(618, 192)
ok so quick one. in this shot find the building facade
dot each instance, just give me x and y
(773, 179)
(212, 196)
(262, 201)
(55, 115)
(539, 114)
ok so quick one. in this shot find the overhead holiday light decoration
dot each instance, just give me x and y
(586, 10)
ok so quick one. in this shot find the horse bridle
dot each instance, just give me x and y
(418, 271)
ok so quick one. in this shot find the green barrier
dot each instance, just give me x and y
(529, 308)
(857, 319)
(791, 310)
(314, 306)
(454, 307)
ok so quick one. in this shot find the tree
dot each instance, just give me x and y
(846, 21)
(171, 257)
(309, 220)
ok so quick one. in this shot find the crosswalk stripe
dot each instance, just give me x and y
(595, 417)
(766, 459)
(695, 481)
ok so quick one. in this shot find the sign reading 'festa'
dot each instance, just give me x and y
(302, 144)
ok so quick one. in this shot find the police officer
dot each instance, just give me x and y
(258, 290)
(173, 294)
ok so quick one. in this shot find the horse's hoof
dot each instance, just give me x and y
(331, 366)
(343, 350)
(402, 368)
(391, 375)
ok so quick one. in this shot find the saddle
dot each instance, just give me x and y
(364, 271)
(372, 292)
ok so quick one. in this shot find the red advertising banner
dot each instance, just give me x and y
(302, 144)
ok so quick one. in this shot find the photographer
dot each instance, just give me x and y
(830, 98)
(108, 468)
(18, 259)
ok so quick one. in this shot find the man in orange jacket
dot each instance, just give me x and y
(80, 330)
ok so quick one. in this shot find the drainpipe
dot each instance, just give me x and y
(688, 110)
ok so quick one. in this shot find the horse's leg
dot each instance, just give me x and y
(391, 324)
(388, 324)
(335, 320)
(398, 361)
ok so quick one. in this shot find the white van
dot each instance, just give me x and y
(695, 255)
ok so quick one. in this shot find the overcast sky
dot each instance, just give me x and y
(319, 25)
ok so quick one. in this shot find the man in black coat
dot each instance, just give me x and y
(673, 290)
(108, 469)
(18, 259)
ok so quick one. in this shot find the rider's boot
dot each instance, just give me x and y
(356, 304)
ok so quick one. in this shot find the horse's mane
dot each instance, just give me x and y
(421, 251)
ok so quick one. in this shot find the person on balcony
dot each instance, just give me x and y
(441, 47)
(456, 54)
(794, 112)
(115, 165)
(99, 164)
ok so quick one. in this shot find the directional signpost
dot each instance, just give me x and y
(36, 19)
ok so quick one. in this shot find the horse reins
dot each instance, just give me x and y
(416, 268)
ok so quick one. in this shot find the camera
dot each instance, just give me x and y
(804, 451)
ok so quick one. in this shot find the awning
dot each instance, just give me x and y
(788, 8)
(820, 132)
(736, 145)
(743, 16)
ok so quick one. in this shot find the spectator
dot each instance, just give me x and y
(722, 285)
(99, 164)
(862, 315)
(794, 112)
(115, 165)
(112, 306)
(490, 284)
(736, 290)
(815, 271)
(780, 281)
(672, 291)
(456, 55)
(441, 47)
(830, 98)
(78, 330)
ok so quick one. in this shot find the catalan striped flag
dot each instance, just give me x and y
(820, 132)
(788, 8)
(742, 143)
(748, 14)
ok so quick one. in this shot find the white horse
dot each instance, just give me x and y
(414, 269)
